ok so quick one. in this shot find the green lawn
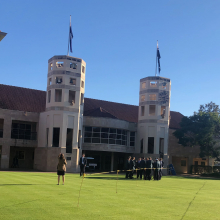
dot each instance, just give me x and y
(32, 195)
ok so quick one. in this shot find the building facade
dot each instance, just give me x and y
(35, 126)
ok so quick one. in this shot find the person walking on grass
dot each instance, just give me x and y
(61, 167)
(82, 163)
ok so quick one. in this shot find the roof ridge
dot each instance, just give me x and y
(111, 101)
(22, 87)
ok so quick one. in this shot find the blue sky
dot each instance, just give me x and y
(117, 40)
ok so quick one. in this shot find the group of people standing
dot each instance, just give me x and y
(144, 167)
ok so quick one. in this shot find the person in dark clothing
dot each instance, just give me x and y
(142, 166)
(132, 167)
(15, 162)
(138, 166)
(127, 167)
(156, 169)
(149, 167)
(82, 163)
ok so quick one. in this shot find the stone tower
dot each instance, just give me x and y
(153, 117)
(60, 126)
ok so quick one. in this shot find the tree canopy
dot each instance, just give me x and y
(202, 129)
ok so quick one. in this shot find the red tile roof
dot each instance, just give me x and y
(30, 100)
(22, 99)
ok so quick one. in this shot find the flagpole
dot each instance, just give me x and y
(69, 37)
(156, 62)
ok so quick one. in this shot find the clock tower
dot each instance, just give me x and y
(153, 117)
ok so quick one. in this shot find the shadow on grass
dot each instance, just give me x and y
(192, 177)
(23, 184)
(114, 178)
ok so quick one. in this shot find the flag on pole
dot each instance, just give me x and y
(70, 36)
(158, 57)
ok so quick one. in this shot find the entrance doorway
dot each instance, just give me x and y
(21, 158)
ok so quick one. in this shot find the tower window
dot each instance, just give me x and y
(163, 111)
(50, 66)
(150, 145)
(161, 147)
(59, 80)
(83, 69)
(142, 110)
(152, 97)
(49, 96)
(69, 140)
(153, 84)
(143, 98)
(58, 95)
(152, 110)
(142, 146)
(143, 85)
(73, 65)
(72, 81)
(59, 64)
(50, 81)
(71, 97)
(82, 84)
(82, 97)
(164, 85)
(56, 137)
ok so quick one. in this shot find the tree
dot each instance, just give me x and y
(202, 129)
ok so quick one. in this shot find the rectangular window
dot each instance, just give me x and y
(50, 81)
(72, 97)
(82, 98)
(59, 80)
(153, 84)
(183, 163)
(73, 65)
(47, 136)
(49, 96)
(56, 137)
(142, 110)
(79, 139)
(58, 95)
(24, 130)
(73, 81)
(142, 146)
(161, 146)
(82, 84)
(1, 127)
(152, 97)
(83, 69)
(69, 140)
(143, 85)
(150, 145)
(152, 110)
(105, 135)
(142, 98)
(59, 64)
(132, 139)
